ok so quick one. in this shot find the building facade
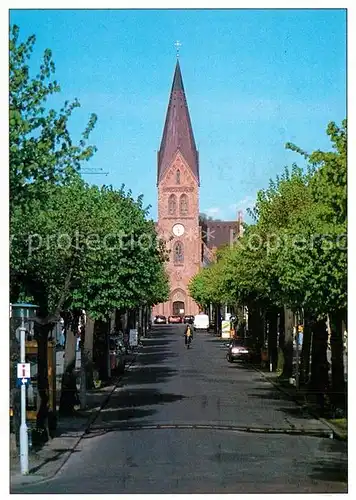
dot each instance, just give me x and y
(190, 240)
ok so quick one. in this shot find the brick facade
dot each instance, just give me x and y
(180, 273)
(178, 203)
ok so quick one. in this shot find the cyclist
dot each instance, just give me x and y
(188, 335)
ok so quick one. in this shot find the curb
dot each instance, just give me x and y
(335, 432)
(229, 427)
(33, 479)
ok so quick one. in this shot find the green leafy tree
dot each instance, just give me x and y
(99, 243)
(41, 148)
(294, 255)
(42, 157)
(318, 266)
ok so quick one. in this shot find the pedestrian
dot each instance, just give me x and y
(62, 338)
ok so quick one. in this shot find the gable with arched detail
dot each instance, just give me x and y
(178, 294)
(178, 252)
(172, 204)
(183, 204)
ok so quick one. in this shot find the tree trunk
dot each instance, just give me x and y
(139, 322)
(256, 325)
(319, 381)
(101, 349)
(88, 346)
(144, 326)
(288, 344)
(272, 338)
(83, 366)
(83, 382)
(281, 328)
(337, 359)
(69, 395)
(216, 319)
(118, 320)
(130, 320)
(210, 313)
(219, 319)
(280, 339)
(306, 348)
(126, 321)
(240, 322)
(41, 336)
(15, 392)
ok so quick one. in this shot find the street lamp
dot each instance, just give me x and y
(24, 312)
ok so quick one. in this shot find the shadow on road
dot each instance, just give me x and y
(153, 349)
(150, 375)
(155, 358)
(267, 393)
(58, 454)
(129, 406)
(116, 416)
(333, 465)
(134, 401)
(141, 397)
(157, 342)
(331, 471)
(217, 340)
(164, 330)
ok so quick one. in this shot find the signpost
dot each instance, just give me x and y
(24, 372)
(133, 338)
(225, 329)
(22, 311)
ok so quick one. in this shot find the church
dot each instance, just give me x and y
(191, 239)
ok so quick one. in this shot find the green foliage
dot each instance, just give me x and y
(200, 287)
(100, 238)
(314, 271)
(72, 245)
(208, 285)
(41, 149)
(295, 252)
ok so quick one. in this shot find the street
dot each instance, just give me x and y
(187, 421)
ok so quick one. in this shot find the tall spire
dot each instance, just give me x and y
(177, 85)
(177, 132)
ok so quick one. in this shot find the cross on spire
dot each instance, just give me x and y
(177, 45)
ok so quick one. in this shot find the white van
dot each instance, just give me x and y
(201, 322)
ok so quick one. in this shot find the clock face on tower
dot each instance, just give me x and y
(178, 229)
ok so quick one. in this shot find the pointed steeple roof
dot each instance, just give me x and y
(177, 132)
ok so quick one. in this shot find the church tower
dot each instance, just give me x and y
(178, 201)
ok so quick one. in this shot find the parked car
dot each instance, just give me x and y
(174, 319)
(201, 322)
(189, 319)
(160, 320)
(238, 349)
(117, 354)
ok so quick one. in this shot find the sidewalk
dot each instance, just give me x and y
(338, 427)
(46, 462)
(306, 401)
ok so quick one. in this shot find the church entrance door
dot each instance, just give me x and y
(178, 307)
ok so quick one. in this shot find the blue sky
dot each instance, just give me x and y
(254, 80)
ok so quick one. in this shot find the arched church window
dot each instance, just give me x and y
(183, 204)
(178, 254)
(178, 177)
(172, 204)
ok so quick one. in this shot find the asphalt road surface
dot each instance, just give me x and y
(187, 421)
